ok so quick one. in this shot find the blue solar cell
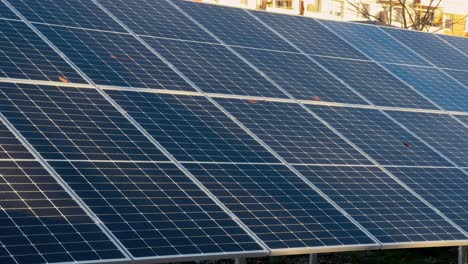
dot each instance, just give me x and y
(375, 43)
(439, 130)
(434, 49)
(156, 18)
(154, 209)
(376, 84)
(24, 55)
(379, 136)
(458, 42)
(234, 26)
(214, 69)
(444, 188)
(464, 119)
(382, 206)
(301, 77)
(282, 210)
(76, 13)
(10, 147)
(461, 76)
(435, 85)
(293, 132)
(309, 35)
(114, 59)
(72, 123)
(5, 12)
(41, 223)
(192, 128)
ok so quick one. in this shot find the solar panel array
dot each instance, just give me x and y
(170, 130)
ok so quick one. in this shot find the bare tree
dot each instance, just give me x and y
(409, 14)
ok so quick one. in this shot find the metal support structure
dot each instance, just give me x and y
(313, 259)
(463, 255)
(240, 261)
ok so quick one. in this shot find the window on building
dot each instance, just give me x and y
(336, 8)
(448, 22)
(287, 4)
(315, 6)
(466, 24)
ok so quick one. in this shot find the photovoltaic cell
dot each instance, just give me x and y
(444, 188)
(278, 206)
(72, 123)
(114, 59)
(11, 147)
(382, 206)
(376, 84)
(24, 55)
(5, 12)
(439, 130)
(74, 13)
(293, 132)
(461, 76)
(309, 35)
(234, 26)
(301, 77)
(192, 128)
(154, 209)
(375, 43)
(214, 68)
(379, 136)
(460, 43)
(156, 18)
(464, 119)
(434, 49)
(41, 223)
(435, 85)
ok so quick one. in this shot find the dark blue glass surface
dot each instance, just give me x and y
(5, 12)
(156, 18)
(24, 55)
(461, 76)
(293, 132)
(234, 26)
(300, 76)
(154, 209)
(309, 35)
(378, 136)
(281, 209)
(435, 85)
(375, 43)
(10, 146)
(434, 49)
(382, 206)
(376, 84)
(462, 118)
(114, 59)
(41, 223)
(75, 13)
(214, 69)
(192, 128)
(459, 43)
(439, 130)
(72, 123)
(444, 188)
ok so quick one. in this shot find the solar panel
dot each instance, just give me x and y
(214, 68)
(435, 85)
(114, 59)
(461, 76)
(379, 137)
(278, 206)
(377, 85)
(463, 118)
(300, 77)
(72, 123)
(375, 43)
(156, 18)
(24, 55)
(234, 26)
(41, 223)
(460, 43)
(441, 131)
(10, 147)
(5, 12)
(444, 188)
(76, 13)
(382, 206)
(309, 35)
(434, 49)
(154, 209)
(293, 132)
(200, 133)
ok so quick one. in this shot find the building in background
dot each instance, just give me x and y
(449, 17)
